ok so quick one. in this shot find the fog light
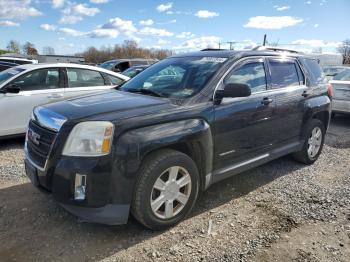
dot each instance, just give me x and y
(79, 187)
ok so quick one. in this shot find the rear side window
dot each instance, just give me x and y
(115, 80)
(251, 74)
(314, 69)
(84, 78)
(284, 73)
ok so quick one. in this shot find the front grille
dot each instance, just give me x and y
(39, 142)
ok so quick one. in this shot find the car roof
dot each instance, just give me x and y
(129, 59)
(71, 65)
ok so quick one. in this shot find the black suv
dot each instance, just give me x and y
(179, 126)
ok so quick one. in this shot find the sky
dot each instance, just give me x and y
(71, 26)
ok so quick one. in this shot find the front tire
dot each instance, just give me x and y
(315, 134)
(166, 189)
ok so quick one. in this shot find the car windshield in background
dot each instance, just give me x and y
(343, 76)
(180, 77)
(107, 65)
(7, 74)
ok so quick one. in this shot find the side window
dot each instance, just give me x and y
(84, 78)
(251, 74)
(115, 80)
(283, 73)
(38, 79)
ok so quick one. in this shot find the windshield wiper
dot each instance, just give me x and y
(146, 92)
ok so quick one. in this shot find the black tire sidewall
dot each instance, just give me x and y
(151, 175)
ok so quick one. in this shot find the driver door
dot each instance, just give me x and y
(243, 125)
(36, 87)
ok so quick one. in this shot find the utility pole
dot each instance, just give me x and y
(264, 43)
(231, 44)
(219, 45)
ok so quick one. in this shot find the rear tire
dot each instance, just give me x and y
(166, 189)
(314, 140)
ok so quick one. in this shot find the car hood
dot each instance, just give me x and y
(110, 105)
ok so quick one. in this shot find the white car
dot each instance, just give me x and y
(341, 92)
(26, 86)
(18, 60)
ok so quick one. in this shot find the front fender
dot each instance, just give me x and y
(134, 145)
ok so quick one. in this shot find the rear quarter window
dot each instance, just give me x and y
(314, 69)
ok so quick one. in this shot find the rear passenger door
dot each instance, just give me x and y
(288, 82)
(82, 81)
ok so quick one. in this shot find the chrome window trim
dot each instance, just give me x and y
(221, 81)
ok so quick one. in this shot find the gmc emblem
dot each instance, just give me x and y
(34, 137)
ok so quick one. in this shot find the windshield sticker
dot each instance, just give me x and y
(214, 59)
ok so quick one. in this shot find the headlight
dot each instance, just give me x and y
(89, 139)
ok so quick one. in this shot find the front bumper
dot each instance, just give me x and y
(101, 205)
(340, 106)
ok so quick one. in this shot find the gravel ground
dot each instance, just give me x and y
(281, 211)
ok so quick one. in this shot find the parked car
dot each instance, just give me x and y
(120, 65)
(26, 86)
(6, 65)
(151, 147)
(134, 70)
(341, 92)
(18, 60)
(332, 71)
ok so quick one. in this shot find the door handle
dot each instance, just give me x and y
(266, 101)
(305, 93)
(55, 96)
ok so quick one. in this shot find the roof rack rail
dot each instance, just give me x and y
(213, 49)
(275, 49)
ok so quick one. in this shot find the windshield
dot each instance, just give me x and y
(131, 72)
(343, 76)
(107, 65)
(180, 77)
(7, 74)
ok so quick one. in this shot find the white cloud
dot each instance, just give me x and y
(125, 26)
(8, 23)
(103, 33)
(71, 32)
(48, 27)
(99, 1)
(316, 43)
(17, 9)
(308, 2)
(164, 7)
(146, 22)
(316, 25)
(155, 32)
(206, 14)
(74, 13)
(200, 43)
(58, 3)
(281, 8)
(185, 35)
(272, 22)
(163, 42)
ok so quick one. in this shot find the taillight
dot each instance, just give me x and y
(330, 90)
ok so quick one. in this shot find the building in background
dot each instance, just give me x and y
(43, 58)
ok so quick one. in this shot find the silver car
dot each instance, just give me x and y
(26, 86)
(341, 92)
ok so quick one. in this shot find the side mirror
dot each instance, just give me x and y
(234, 90)
(12, 89)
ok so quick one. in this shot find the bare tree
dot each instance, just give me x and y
(48, 50)
(344, 49)
(13, 47)
(128, 49)
(29, 49)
